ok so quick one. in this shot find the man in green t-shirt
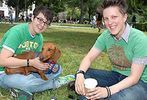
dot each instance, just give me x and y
(21, 38)
(127, 51)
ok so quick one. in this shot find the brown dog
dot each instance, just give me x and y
(49, 53)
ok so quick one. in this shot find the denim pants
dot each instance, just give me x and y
(31, 82)
(108, 78)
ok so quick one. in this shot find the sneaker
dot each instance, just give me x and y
(18, 94)
(65, 80)
(53, 98)
(71, 86)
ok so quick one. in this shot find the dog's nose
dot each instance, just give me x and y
(41, 58)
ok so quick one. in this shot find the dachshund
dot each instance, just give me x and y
(49, 54)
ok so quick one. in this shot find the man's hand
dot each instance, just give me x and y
(79, 84)
(38, 64)
(97, 93)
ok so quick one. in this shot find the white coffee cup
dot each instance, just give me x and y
(90, 83)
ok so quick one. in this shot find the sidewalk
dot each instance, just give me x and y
(69, 26)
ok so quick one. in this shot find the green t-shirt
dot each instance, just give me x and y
(18, 39)
(123, 52)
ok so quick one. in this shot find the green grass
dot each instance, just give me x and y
(69, 24)
(74, 44)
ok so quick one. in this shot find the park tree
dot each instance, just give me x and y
(86, 7)
(78, 4)
(91, 7)
(144, 2)
(135, 6)
(138, 7)
(56, 5)
(73, 10)
(76, 8)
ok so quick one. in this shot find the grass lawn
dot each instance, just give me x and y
(74, 43)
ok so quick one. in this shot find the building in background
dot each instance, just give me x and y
(5, 11)
(4, 8)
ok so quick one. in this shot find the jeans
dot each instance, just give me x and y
(108, 78)
(31, 82)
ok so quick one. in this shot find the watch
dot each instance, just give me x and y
(80, 71)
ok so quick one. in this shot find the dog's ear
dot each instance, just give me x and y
(56, 55)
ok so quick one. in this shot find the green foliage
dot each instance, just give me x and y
(56, 5)
(141, 26)
(91, 6)
(137, 7)
(78, 9)
(82, 8)
(73, 13)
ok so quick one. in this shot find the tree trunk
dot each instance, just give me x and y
(16, 13)
(82, 9)
(89, 15)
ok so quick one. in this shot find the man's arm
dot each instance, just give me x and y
(85, 64)
(132, 79)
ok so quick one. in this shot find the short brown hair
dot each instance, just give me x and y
(45, 11)
(119, 3)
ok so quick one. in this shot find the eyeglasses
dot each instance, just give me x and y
(40, 20)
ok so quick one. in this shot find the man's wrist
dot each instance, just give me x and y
(108, 92)
(80, 72)
(28, 62)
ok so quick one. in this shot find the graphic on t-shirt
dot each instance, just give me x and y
(117, 57)
(28, 46)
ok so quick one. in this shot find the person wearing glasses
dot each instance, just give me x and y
(127, 50)
(21, 38)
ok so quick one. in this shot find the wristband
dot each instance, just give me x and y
(108, 92)
(80, 71)
(27, 62)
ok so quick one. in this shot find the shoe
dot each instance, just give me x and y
(65, 80)
(18, 94)
(53, 98)
(71, 86)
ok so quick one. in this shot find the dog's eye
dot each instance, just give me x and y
(42, 49)
(49, 49)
